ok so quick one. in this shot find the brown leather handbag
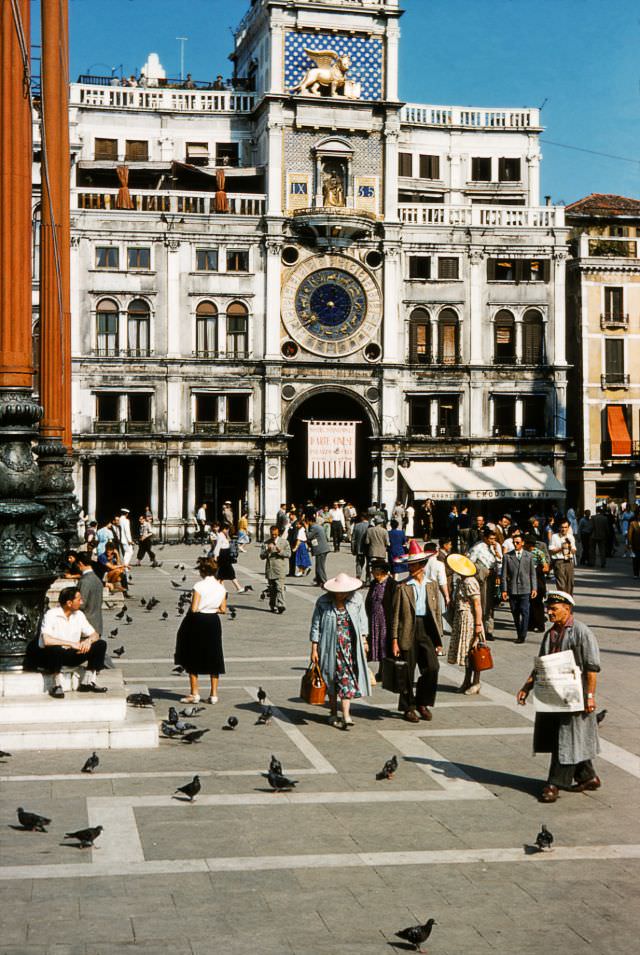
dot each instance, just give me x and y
(313, 689)
(480, 658)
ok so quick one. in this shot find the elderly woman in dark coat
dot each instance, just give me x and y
(339, 645)
(378, 604)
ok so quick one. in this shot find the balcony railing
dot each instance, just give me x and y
(614, 320)
(157, 99)
(221, 427)
(418, 114)
(427, 431)
(482, 217)
(149, 200)
(617, 247)
(506, 360)
(632, 454)
(504, 431)
(614, 379)
(123, 427)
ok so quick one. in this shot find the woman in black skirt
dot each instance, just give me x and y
(199, 640)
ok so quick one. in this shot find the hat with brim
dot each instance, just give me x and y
(342, 584)
(416, 554)
(559, 597)
(124, 510)
(461, 565)
(379, 563)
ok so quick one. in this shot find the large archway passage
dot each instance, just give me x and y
(329, 406)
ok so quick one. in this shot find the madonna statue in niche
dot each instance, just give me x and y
(333, 191)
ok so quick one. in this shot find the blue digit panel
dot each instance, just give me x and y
(365, 53)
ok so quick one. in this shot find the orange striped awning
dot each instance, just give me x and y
(618, 431)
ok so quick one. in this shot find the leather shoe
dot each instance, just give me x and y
(549, 794)
(590, 786)
(57, 692)
(411, 716)
(425, 713)
(91, 688)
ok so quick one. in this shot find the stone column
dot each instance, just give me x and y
(154, 496)
(393, 42)
(393, 344)
(559, 299)
(28, 552)
(433, 417)
(518, 342)
(519, 417)
(476, 306)
(272, 296)
(173, 518)
(251, 489)
(391, 168)
(191, 485)
(91, 489)
(275, 165)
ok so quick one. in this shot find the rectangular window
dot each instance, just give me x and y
(238, 408)
(533, 416)
(137, 335)
(509, 170)
(448, 416)
(237, 260)
(206, 260)
(448, 267)
(206, 408)
(447, 343)
(621, 231)
(107, 257)
(138, 257)
(614, 359)
(429, 167)
(406, 165)
(518, 270)
(139, 407)
(197, 154)
(237, 335)
(136, 150)
(419, 267)
(534, 270)
(107, 323)
(227, 154)
(105, 149)
(481, 169)
(420, 415)
(504, 416)
(613, 302)
(108, 406)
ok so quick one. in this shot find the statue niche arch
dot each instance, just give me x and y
(330, 404)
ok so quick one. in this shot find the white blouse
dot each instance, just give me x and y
(212, 593)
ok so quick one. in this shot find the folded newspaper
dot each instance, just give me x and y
(558, 684)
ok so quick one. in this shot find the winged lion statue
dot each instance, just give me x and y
(330, 70)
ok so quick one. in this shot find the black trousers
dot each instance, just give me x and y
(144, 547)
(321, 568)
(337, 531)
(423, 655)
(563, 775)
(53, 659)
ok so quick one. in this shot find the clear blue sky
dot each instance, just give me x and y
(581, 56)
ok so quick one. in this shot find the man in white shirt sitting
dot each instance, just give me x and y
(67, 639)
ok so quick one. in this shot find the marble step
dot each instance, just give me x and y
(15, 685)
(38, 707)
(139, 730)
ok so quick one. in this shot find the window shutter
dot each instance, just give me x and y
(491, 270)
(502, 169)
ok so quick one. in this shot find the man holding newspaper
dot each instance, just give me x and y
(564, 688)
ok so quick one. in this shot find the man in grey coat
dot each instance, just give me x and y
(518, 584)
(320, 547)
(276, 551)
(570, 738)
(377, 540)
(91, 589)
(358, 545)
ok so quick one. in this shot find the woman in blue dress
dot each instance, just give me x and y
(301, 551)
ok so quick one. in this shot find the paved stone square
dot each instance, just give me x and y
(343, 862)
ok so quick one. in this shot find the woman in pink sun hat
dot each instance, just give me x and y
(339, 645)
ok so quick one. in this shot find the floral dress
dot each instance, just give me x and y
(463, 621)
(346, 672)
(378, 622)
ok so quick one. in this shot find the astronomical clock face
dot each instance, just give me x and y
(331, 305)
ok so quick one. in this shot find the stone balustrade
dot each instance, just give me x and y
(616, 247)
(157, 99)
(417, 114)
(183, 203)
(495, 217)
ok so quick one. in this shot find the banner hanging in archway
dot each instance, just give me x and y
(332, 449)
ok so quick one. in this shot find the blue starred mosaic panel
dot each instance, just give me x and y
(365, 53)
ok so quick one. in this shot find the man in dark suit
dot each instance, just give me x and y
(358, 545)
(519, 584)
(320, 547)
(416, 635)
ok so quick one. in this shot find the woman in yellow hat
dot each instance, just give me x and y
(467, 629)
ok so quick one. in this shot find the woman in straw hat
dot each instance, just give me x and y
(467, 627)
(339, 645)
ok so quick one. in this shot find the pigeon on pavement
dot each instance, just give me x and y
(91, 764)
(140, 699)
(417, 934)
(169, 730)
(165, 615)
(128, 619)
(388, 769)
(183, 578)
(191, 711)
(544, 839)
(194, 736)
(86, 837)
(280, 783)
(173, 715)
(143, 602)
(121, 613)
(275, 766)
(601, 715)
(231, 723)
(32, 821)
(178, 670)
(262, 696)
(190, 789)
(176, 584)
(114, 632)
(118, 652)
(4, 755)
(265, 717)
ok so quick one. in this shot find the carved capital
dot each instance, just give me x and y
(560, 255)
(476, 257)
(273, 246)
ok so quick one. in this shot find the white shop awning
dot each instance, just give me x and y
(443, 481)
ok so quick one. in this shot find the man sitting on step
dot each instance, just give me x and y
(67, 639)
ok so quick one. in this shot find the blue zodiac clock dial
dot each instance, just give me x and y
(331, 304)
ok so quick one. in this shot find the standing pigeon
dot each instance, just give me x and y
(113, 633)
(173, 715)
(143, 602)
(4, 755)
(165, 615)
(280, 783)
(128, 619)
(544, 839)
(118, 652)
(190, 711)
(417, 934)
(169, 730)
(265, 717)
(91, 764)
(86, 837)
(178, 670)
(190, 789)
(121, 613)
(32, 821)
(600, 716)
(194, 736)
(262, 696)
(139, 699)
(231, 723)
(388, 769)
(275, 766)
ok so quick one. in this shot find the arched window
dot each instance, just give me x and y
(138, 327)
(237, 329)
(419, 337)
(533, 337)
(107, 314)
(448, 337)
(504, 337)
(206, 330)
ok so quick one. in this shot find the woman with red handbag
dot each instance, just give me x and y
(467, 632)
(339, 645)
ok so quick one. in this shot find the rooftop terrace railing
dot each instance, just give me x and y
(471, 117)
(161, 99)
